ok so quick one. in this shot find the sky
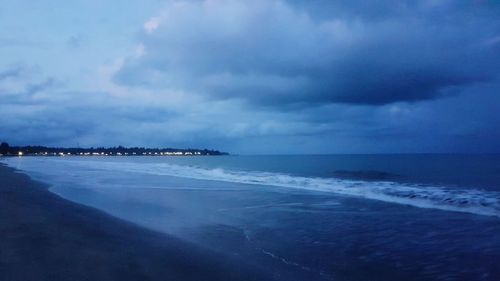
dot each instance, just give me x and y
(252, 77)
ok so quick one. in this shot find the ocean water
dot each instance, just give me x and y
(308, 217)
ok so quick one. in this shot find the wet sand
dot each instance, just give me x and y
(45, 237)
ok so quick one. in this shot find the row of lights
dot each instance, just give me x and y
(20, 153)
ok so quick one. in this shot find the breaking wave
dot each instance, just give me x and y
(474, 201)
(469, 200)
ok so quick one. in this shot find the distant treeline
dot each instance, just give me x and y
(7, 150)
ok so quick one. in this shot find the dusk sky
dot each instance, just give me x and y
(259, 76)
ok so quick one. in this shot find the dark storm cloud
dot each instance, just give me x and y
(434, 10)
(307, 53)
(265, 76)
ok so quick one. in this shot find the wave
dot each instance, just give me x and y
(473, 201)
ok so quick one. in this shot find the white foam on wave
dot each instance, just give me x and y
(436, 197)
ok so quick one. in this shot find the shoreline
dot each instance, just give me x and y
(46, 237)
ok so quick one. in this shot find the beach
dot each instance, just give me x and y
(282, 218)
(45, 237)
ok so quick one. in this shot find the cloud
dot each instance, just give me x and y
(37, 87)
(22, 43)
(152, 24)
(276, 53)
(12, 72)
(275, 76)
(22, 84)
(75, 41)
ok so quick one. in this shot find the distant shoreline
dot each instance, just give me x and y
(7, 150)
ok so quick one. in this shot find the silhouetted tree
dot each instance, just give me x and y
(4, 148)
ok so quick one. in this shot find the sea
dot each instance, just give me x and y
(305, 217)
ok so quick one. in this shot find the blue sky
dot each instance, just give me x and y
(264, 76)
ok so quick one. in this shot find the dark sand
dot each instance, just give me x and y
(44, 237)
